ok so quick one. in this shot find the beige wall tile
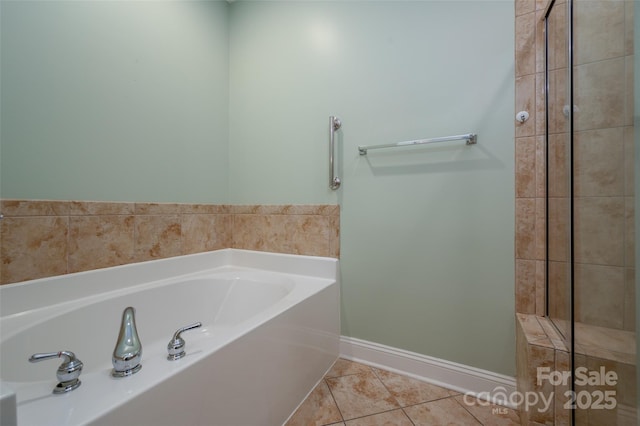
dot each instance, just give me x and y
(629, 157)
(541, 173)
(526, 43)
(540, 50)
(525, 228)
(629, 299)
(525, 286)
(33, 247)
(540, 242)
(628, 91)
(526, 101)
(628, 27)
(562, 416)
(598, 162)
(157, 237)
(100, 241)
(81, 208)
(559, 219)
(12, 208)
(559, 291)
(157, 208)
(557, 25)
(204, 208)
(599, 295)
(525, 167)
(600, 105)
(629, 232)
(524, 6)
(599, 31)
(205, 232)
(541, 288)
(559, 165)
(599, 230)
(541, 88)
(558, 99)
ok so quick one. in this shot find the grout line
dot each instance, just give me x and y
(334, 399)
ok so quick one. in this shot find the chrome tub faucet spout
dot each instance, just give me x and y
(127, 354)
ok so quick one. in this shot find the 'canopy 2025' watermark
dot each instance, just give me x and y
(592, 398)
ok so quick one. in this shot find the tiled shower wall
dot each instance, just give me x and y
(46, 238)
(530, 158)
(603, 178)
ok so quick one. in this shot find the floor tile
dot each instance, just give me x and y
(318, 409)
(359, 395)
(440, 413)
(408, 391)
(389, 418)
(344, 367)
(489, 414)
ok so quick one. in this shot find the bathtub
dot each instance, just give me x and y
(270, 331)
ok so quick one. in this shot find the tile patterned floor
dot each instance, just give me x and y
(353, 394)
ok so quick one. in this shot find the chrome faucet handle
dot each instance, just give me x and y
(127, 355)
(68, 372)
(176, 345)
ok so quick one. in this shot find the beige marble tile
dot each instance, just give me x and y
(552, 333)
(629, 232)
(525, 286)
(157, 237)
(558, 118)
(539, 357)
(441, 412)
(334, 236)
(540, 230)
(628, 27)
(629, 156)
(525, 167)
(344, 367)
(600, 105)
(629, 99)
(524, 6)
(540, 105)
(541, 288)
(562, 415)
(296, 234)
(157, 208)
(10, 208)
(590, 337)
(532, 329)
(408, 391)
(525, 228)
(599, 230)
(525, 101)
(287, 209)
(541, 167)
(84, 208)
(204, 208)
(318, 409)
(540, 53)
(389, 418)
(559, 165)
(559, 221)
(100, 241)
(559, 290)
(599, 295)
(525, 33)
(599, 163)
(629, 300)
(33, 247)
(599, 30)
(557, 24)
(205, 232)
(359, 395)
(489, 414)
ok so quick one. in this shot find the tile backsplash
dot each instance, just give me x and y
(45, 238)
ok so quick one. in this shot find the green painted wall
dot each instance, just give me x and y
(114, 100)
(209, 102)
(427, 233)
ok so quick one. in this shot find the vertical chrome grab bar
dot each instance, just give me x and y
(334, 124)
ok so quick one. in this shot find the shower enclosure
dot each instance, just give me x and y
(590, 202)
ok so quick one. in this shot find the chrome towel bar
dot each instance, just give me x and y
(471, 139)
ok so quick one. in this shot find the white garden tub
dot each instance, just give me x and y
(270, 330)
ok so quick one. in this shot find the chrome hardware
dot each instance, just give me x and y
(128, 351)
(471, 139)
(176, 345)
(334, 124)
(67, 373)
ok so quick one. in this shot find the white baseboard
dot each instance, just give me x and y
(480, 383)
